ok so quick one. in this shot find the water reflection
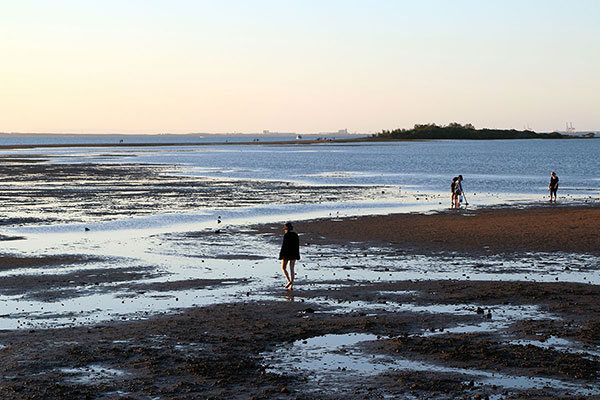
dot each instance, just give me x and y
(340, 358)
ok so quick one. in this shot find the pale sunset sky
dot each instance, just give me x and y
(181, 66)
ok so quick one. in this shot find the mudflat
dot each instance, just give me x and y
(544, 228)
(442, 339)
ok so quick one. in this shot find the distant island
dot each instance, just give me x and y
(458, 131)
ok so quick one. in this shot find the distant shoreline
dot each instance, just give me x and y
(171, 144)
(362, 139)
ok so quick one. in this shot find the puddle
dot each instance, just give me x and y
(98, 308)
(333, 358)
(92, 374)
(502, 316)
(560, 344)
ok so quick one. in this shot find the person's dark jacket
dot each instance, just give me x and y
(290, 249)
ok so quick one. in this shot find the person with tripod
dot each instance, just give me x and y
(459, 194)
(453, 192)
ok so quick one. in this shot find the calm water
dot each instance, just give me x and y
(489, 167)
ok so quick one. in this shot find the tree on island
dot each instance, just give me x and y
(455, 130)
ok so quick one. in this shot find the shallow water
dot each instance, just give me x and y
(247, 264)
(489, 167)
(157, 236)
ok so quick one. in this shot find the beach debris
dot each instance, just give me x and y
(87, 229)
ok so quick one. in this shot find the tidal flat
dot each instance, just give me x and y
(139, 281)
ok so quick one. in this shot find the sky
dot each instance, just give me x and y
(306, 66)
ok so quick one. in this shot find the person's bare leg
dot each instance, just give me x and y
(284, 269)
(291, 284)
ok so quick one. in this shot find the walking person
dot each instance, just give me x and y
(290, 252)
(553, 186)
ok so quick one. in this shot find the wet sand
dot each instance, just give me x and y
(545, 228)
(230, 351)
(219, 351)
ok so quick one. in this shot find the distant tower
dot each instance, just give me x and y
(570, 129)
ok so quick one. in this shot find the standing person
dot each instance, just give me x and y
(553, 186)
(453, 192)
(290, 252)
(458, 191)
